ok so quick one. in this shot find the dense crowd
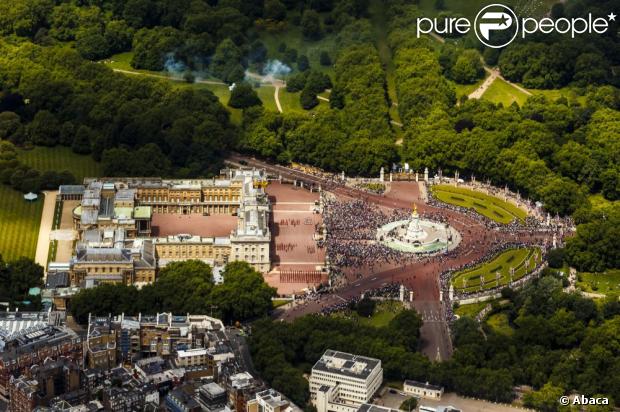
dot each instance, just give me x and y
(352, 230)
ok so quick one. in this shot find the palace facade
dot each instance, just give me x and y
(116, 242)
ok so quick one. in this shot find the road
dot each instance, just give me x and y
(420, 276)
(241, 350)
(47, 221)
(161, 76)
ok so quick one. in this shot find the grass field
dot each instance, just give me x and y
(276, 303)
(60, 158)
(19, 224)
(607, 283)
(490, 206)
(20, 220)
(498, 322)
(469, 280)
(385, 311)
(467, 89)
(472, 309)
(554, 94)
(501, 92)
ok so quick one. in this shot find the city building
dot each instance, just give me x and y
(101, 338)
(240, 386)
(163, 334)
(369, 407)
(28, 339)
(341, 382)
(123, 399)
(212, 397)
(42, 383)
(422, 390)
(182, 399)
(270, 401)
(114, 221)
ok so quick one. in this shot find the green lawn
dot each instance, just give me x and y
(467, 89)
(501, 92)
(266, 94)
(290, 101)
(471, 310)
(607, 283)
(384, 313)
(490, 206)
(19, 224)
(276, 303)
(20, 220)
(60, 158)
(469, 280)
(554, 94)
(499, 323)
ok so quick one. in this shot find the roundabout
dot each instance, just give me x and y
(416, 235)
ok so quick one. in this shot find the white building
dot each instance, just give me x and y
(422, 390)
(192, 357)
(341, 382)
(270, 401)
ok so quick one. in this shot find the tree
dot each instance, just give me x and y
(91, 43)
(302, 63)
(556, 257)
(244, 293)
(324, 59)
(545, 400)
(10, 123)
(83, 140)
(226, 62)
(118, 36)
(311, 25)
(244, 96)
(16, 279)
(274, 10)
(44, 129)
(409, 404)
(296, 82)
(336, 98)
(439, 5)
(467, 68)
(365, 307)
(562, 196)
(308, 98)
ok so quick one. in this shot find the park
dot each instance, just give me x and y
(492, 207)
(500, 271)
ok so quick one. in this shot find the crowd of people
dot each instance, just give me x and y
(388, 291)
(352, 231)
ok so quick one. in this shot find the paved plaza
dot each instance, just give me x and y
(195, 224)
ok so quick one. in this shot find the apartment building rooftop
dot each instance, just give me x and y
(346, 364)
